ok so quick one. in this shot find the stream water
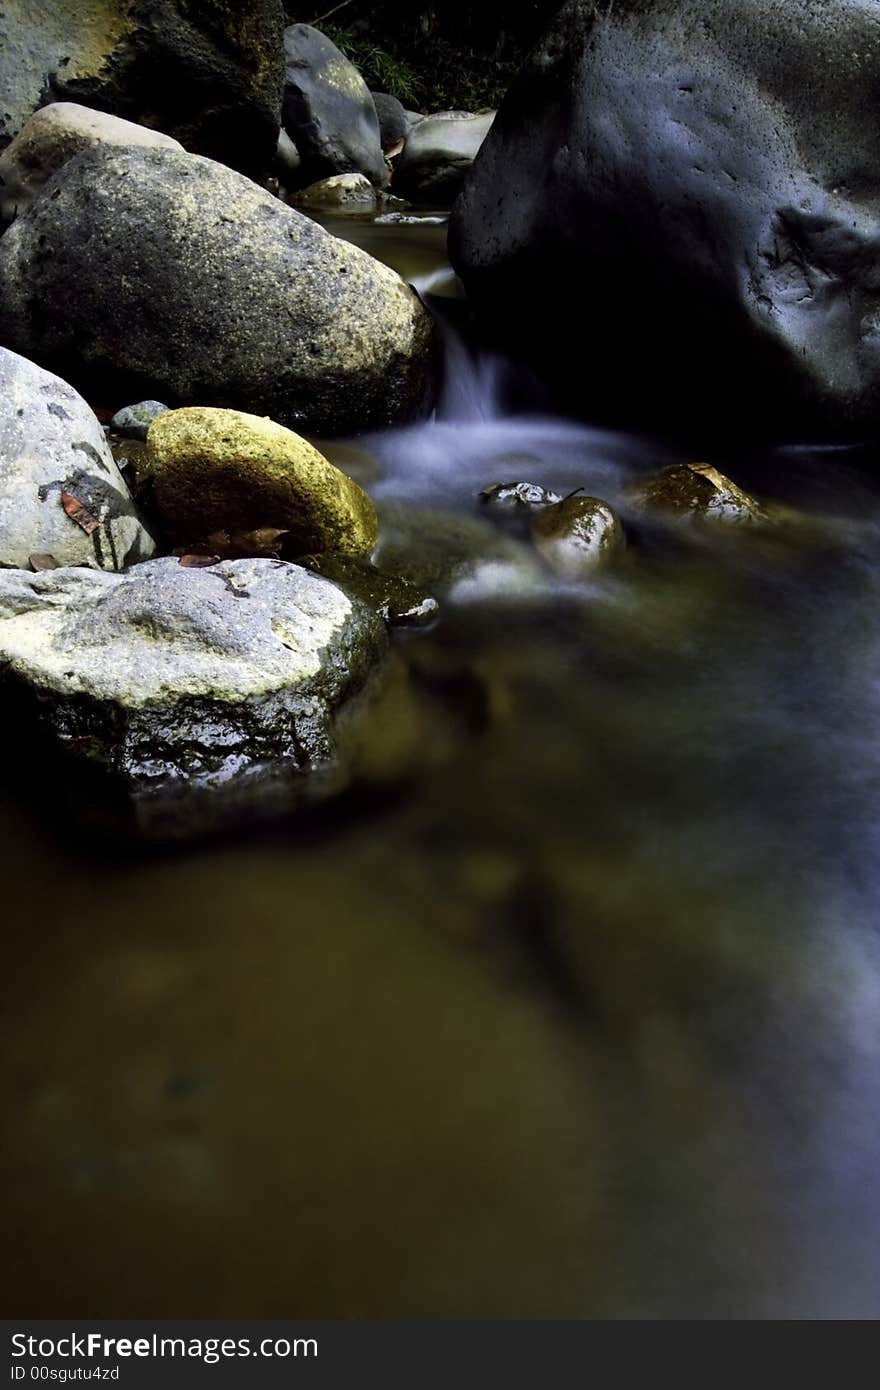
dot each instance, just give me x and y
(569, 1009)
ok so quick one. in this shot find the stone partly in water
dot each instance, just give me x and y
(461, 557)
(61, 493)
(438, 153)
(52, 136)
(222, 470)
(397, 602)
(578, 536)
(696, 492)
(694, 186)
(328, 111)
(207, 72)
(153, 272)
(517, 499)
(133, 421)
(167, 673)
(352, 191)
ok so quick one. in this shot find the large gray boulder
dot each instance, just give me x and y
(328, 111)
(61, 494)
(152, 273)
(207, 72)
(689, 191)
(438, 153)
(168, 672)
(52, 136)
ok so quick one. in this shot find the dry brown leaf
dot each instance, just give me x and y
(78, 512)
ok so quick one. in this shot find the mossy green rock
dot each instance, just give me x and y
(577, 536)
(696, 492)
(216, 470)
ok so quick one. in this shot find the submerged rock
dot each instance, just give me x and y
(157, 272)
(223, 470)
(328, 111)
(52, 136)
(207, 72)
(340, 191)
(461, 556)
(61, 493)
(438, 153)
(133, 421)
(696, 491)
(697, 181)
(167, 672)
(578, 536)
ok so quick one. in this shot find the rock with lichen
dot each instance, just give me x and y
(196, 286)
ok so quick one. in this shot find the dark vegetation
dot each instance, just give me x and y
(448, 55)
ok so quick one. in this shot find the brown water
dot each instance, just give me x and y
(568, 1009)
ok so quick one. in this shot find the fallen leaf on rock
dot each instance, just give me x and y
(78, 512)
(43, 562)
(198, 562)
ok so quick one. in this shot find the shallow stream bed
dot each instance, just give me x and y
(569, 1008)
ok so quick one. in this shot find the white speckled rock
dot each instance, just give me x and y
(52, 136)
(168, 672)
(50, 444)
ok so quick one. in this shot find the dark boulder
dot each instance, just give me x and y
(690, 190)
(394, 123)
(328, 111)
(207, 72)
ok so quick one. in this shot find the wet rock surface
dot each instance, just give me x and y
(697, 182)
(696, 492)
(578, 536)
(196, 286)
(61, 493)
(166, 673)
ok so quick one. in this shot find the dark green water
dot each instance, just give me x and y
(569, 1009)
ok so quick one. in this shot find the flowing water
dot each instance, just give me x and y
(568, 1009)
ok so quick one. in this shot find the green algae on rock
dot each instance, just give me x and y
(215, 470)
